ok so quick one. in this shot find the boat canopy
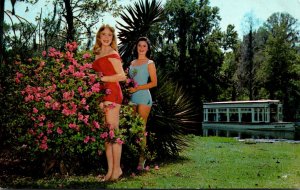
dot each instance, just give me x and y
(253, 111)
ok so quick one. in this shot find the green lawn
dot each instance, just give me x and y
(211, 162)
(215, 162)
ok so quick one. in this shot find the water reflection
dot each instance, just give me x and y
(254, 134)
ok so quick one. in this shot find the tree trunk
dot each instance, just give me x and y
(1, 29)
(69, 19)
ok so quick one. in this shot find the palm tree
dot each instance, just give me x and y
(137, 22)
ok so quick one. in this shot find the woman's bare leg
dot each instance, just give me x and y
(112, 118)
(109, 158)
(144, 112)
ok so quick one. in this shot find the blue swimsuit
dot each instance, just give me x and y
(140, 74)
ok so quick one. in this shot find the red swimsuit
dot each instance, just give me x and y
(104, 66)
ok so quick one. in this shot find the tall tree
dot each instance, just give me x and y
(281, 58)
(247, 66)
(194, 41)
(228, 71)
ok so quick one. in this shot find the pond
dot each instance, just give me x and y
(253, 134)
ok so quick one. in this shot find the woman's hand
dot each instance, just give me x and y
(133, 90)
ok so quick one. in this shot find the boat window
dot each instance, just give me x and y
(259, 115)
(212, 115)
(246, 115)
(222, 115)
(233, 115)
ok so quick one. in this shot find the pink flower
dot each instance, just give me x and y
(34, 110)
(71, 46)
(139, 168)
(79, 89)
(50, 125)
(119, 141)
(29, 98)
(96, 124)
(66, 111)
(44, 53)
(156, 167)
(96, 87)
(147, 168)
(104, 135)
(68, 95)
(19, 75)
(56, 106)
(40, 135)
(71, 68)
(86, 56)
(79, 74)
(17, 80)
(108, 91)
(44, 146)
(74, 126)
(47, 98)
(111, 134)
(32, 132)
(49, 131)
(86, 140)
(59, 130)
(69, 56)
(86, 119)
(80, 117)
(47, 105)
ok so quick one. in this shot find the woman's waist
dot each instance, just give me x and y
(112, 84)
(145, 91)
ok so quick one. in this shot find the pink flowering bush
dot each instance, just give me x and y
(61, 98)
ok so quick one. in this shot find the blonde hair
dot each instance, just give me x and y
(97, 46)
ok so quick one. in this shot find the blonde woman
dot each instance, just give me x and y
(108, 63)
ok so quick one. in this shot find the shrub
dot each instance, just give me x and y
(61, 99)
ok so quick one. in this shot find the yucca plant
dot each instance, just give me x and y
(138, 20)
(173, 116)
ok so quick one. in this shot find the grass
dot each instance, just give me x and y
(211, 162)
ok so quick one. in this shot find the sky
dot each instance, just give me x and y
(231, 11)
(234, 11)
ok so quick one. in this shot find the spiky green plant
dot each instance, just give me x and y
(137, 22)
(173, 116)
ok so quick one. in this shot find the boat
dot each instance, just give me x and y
(248, 115)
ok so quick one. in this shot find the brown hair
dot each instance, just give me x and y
(97, 46)
(135, 52)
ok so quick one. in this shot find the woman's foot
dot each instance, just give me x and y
(104, 178)
(116, 177)
(141, 165)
